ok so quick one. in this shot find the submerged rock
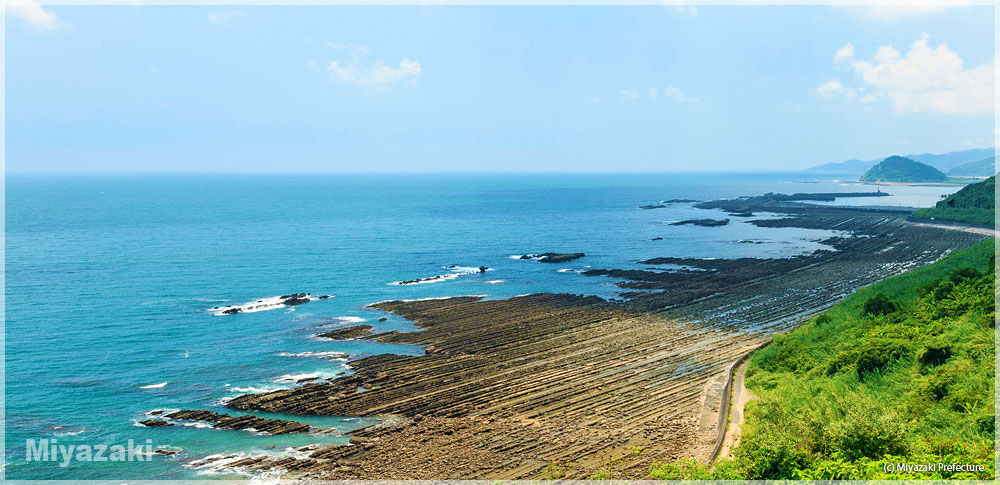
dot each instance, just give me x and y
(553, 257)
(155, 423)
(703, 222)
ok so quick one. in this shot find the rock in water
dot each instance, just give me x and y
(703, 222)
(155, 423)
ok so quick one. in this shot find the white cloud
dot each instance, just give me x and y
(830, 88)
(677, 95)
(896, 10)
(376, 74)
(924, 80)
(33, 15)
(223, 17)
(844, 53)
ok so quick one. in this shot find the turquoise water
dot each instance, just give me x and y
(108, 279)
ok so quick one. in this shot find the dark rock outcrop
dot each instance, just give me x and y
(702, 222)
(155, 423)
(353, 332)
(249, 421)
(553, 257)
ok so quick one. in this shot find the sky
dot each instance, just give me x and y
(468, 88)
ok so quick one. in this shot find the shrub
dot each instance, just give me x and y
(878, 352)
(841, 360)
(986, 425)
(964, 274)
(880, 305)
(686, 469)
(943, 290)
(601, 475)
(869, 430)
(934, 354)
(769, 456)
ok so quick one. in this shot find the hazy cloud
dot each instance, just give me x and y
(677, 95)
(223, 17)
(356, 69)
(33, 15)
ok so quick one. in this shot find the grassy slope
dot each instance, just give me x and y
(974, 204)
(847, 393)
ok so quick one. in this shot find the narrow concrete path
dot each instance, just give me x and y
(740, 396)
(974, 230)
(734, 398)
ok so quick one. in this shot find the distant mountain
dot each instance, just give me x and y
(850, 166)
(943, 161)
(947, 161)
(901, 169)
(980, 168)
(974, 204)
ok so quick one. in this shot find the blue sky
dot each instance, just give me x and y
(656, 88)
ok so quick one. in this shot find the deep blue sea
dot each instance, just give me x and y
(109, 278)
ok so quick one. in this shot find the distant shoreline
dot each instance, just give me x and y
(910, 184)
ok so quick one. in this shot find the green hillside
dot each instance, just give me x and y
(980, 168)
(900, 372)
(900, 169)
(974, 204)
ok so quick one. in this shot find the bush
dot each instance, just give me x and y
(769, 456)
(986, 425)
(879, 305)
(964, 274)
(934, 354)
(686, 469)
(877, 353)
(869, 430)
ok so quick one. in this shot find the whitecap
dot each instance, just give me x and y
(264, 304)
(159, 413)
(326, 354)
(494, 282)
(427, 299)
(155, 386)
(258, 390)
(456, 272)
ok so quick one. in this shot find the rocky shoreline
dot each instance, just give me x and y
(519, 387)
(159, 419)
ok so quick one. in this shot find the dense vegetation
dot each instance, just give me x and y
(900, 372)
(974, 204)
(980, 168)
(900, 169)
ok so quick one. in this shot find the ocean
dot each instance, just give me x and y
(110, 280)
